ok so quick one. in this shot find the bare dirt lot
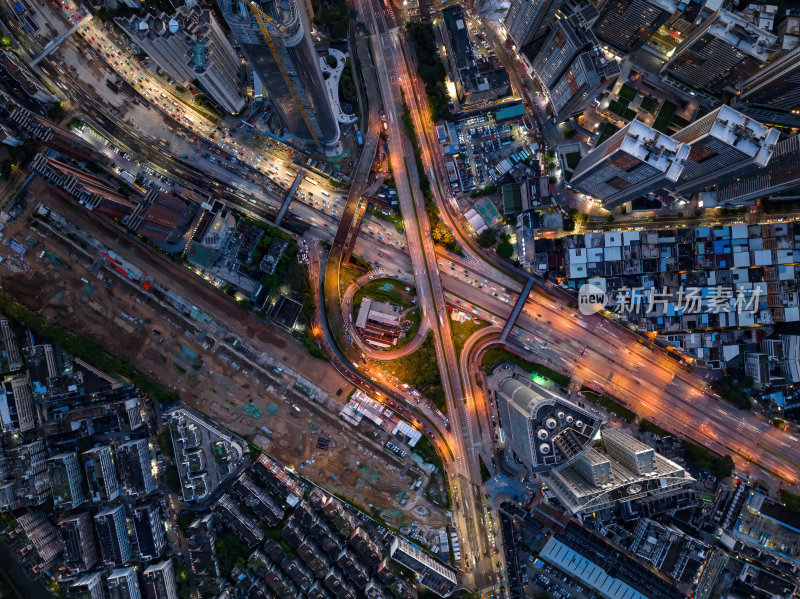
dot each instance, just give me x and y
(56, 279)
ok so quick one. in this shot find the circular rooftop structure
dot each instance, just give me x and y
(546, 430)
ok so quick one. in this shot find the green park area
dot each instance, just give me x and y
(289, 272)
(627, 92)
(346, 276)
(395, 219)
(415, 318)
(384, 290)
(606, 131)
(495, 355)
(420, 370)
(664, 117)
(573, 158)
(461, 331)
(790, 500)
(648, 103)
(430, 67)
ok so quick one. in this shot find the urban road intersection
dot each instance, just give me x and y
(594, 351)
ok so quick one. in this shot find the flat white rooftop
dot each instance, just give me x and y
(746, 135)
(743, 35)
(656, 149)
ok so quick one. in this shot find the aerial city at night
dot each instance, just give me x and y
(399, 299)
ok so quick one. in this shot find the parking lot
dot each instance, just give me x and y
(486, 143)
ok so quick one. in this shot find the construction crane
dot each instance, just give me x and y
(262, 19)
(260, 14)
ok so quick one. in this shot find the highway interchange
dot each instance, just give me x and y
(592, 350)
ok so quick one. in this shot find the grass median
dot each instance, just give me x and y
(495, 355)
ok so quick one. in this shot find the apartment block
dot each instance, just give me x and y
(636, 160)
(191, 46)
(724, 143)
(772, 94)
(148, 527)
(477, 80)
(123, 583)
(135, 468)
(527, 21)
(627, 24)
(431, 573)
(80, 548)
(12, 360)
(101, 472)
(778, 180)
(159, 581)
(203, 555)
(88, 586)
(18, 407)
(112, 533)
(66, 481)
(720, 54)
(28, 463)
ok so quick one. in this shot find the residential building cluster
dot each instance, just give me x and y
(708, 290)
(698, 52)
(95, 516)
(638, 160)
(205, 454)
(324, 547)
(80, 475)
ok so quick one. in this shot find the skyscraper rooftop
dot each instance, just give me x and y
(542, 428)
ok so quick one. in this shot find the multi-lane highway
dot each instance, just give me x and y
(463, 471)
(592, 350)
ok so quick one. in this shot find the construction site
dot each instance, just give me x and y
(56, 260)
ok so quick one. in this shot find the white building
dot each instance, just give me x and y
(625, 470)
(160, 581)
(635, 160)
(123, 582)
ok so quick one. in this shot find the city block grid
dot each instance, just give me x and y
(380, 299)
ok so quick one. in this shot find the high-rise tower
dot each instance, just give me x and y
(527, 21)
(571, 66)
(627, 24)
(724, 143)
(275, 37)
(773, 93)
(191, 46)
(720, 54)
(634, 161)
